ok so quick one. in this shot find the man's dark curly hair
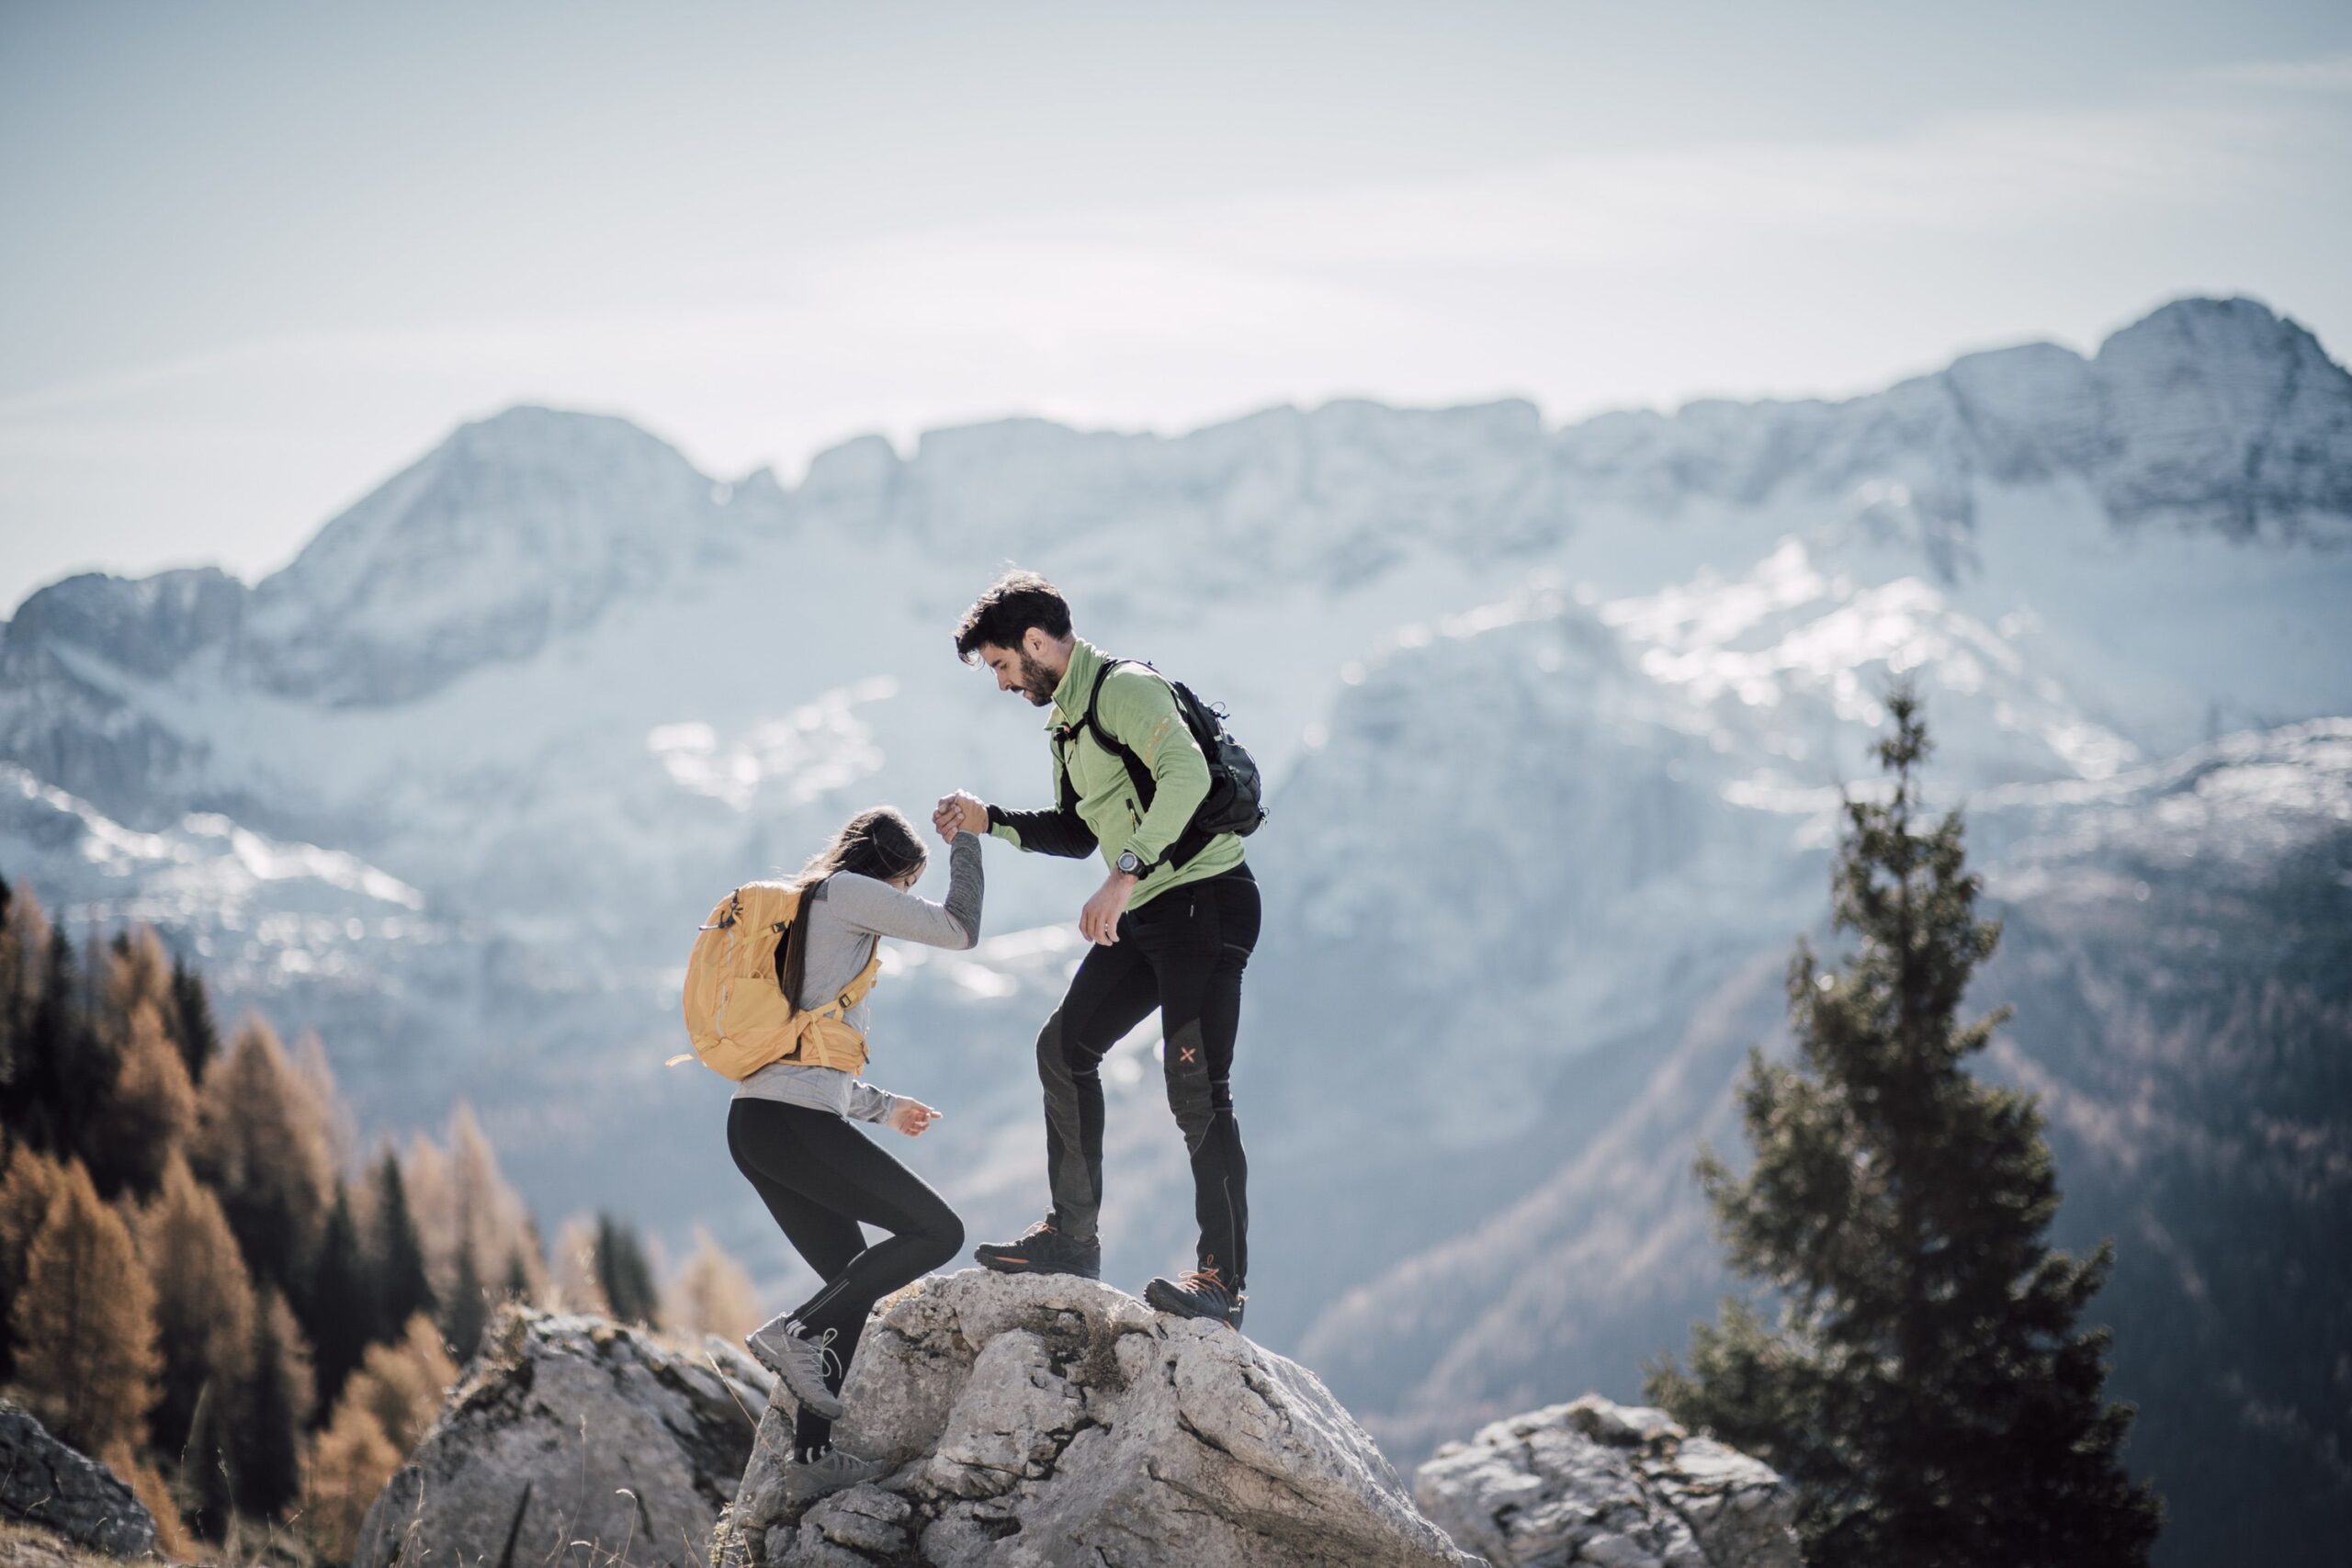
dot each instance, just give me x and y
(1013, 603)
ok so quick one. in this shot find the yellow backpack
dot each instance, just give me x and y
(735, 1006)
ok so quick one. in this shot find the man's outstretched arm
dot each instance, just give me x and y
(1058, 832)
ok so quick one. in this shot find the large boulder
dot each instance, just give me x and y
(1611, 1486)
(44, 1482)
(1042, 1421)
(572, 1440)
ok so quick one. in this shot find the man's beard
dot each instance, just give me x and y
(1037, 683)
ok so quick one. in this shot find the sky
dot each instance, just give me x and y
(260, 256)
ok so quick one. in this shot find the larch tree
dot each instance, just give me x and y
(712, 1294)
(260, 1144)
(1926, 1386)
(84, 1322)
(204, 1303)
(27, 1184)
(152, 1113)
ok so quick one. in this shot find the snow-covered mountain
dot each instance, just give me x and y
(1559, 716)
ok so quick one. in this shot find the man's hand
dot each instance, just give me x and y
(911, 1117)
(961, 812)
(1098, 921)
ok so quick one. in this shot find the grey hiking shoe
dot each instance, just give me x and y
(781, 1347)
(805, 1481)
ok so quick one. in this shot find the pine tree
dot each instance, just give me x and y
(265, 1447)
(466, 1309)
(339, 1307)
(24, 948)
(85, 1323)
(204, 1302)
(1926, 1386)
(623, 1274)
(193, 1028)
(395, 1255)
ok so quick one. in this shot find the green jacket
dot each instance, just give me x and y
(1138, 708)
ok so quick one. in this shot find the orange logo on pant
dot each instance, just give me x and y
(1186, 1056)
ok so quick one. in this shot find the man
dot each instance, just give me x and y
(1173, 927)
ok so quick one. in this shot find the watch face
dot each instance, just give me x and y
(1128, 863)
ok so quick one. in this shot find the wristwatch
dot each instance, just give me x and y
(1130, 862)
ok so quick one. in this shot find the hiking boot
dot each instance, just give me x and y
(785, 1349)
(836, 1469)
(1201, 1293)
(1042, 1249)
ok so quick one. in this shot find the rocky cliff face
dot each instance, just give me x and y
(1039, 1421)
(1612, 1486)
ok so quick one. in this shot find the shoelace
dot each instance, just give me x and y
(1203, 1280)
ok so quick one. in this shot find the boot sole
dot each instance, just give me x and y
(1176, 1306)
(1002, 1265)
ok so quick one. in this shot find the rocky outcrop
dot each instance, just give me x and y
(572, 1440)
(44, 1482)
(1611, 1486)
(1037, 1422)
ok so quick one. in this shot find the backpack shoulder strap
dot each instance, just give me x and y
(1138, 775)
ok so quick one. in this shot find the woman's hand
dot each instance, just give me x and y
(961, 812)
(911, 1117)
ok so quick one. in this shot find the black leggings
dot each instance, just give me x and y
(821, 1177)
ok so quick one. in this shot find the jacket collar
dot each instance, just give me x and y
(1068, 706)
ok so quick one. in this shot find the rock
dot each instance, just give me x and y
(573, 1438)
(1041, 1421)
(44, 1482)
(1616, 1486)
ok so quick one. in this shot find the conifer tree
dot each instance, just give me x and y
(1926, 1387)
(623, 1274)
(204, 1302)
(85, 1323)
(395, 1253)
(350, 1461)
(403, 1384)
(467, 1308)
(207, 1473)
(265, 1447)
(259, 1144)
(193, 1028)
(23, 950)
(712, 1294)
(340, 1309)
(27, 1183)
(149, 1117)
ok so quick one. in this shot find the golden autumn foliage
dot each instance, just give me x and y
(712, 1294)
(262, 1142)
(350, 1461)
(155, 1494)
(402, 1385)
(84, 1322)
(204, 1300)
(26, 1186)
(153, 1110)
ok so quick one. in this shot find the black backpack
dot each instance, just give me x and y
(1236, 801)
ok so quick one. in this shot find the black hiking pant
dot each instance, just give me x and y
(1183, 954)
(820, 1177)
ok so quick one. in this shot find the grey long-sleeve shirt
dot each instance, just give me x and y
(848, 917)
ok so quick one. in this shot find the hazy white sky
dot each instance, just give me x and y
(260, 256)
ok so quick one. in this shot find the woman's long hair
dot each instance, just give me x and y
(880, 843)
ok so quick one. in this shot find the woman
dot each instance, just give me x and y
(788, 1130)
